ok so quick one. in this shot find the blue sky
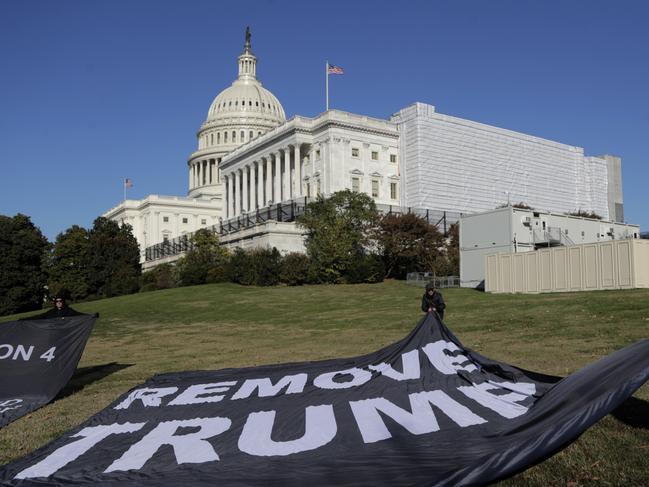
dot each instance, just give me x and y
(91, 92)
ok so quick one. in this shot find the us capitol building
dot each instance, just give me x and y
(253, 170)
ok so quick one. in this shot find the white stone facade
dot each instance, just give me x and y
(155, 218)
(310, 156)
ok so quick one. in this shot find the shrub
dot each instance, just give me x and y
(239, 268)
(266, 264)
(585, 214)
(205, 262)
(294, 269)
(367, 269)
(162, 276)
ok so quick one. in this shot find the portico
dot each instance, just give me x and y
(264, 178)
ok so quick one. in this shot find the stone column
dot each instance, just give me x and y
(244, 192)
(269, 181)
(277, 178)
(236, 193)
(230, 195)
(253, 185)
(260, 183)
(298, 171)
(287, 174)
(191, 172)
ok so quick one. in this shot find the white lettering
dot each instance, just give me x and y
(447, 364)
(9, 404)
(90, 436)
(420, 420)
(504, 404)
(148, 396)
(49, 355)
(320, 428)
(411, 369)
(196, 394)
(293, 383)
(26, 353)
(359, 377)
(188, 448)
(9, 348)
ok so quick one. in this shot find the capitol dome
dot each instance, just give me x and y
(238, 114)
(246, 100)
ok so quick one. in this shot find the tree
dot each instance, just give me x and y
(22, 253)
(113, 259)
(453, 250)
(409, 243)
(205, 262)
(339, 230)
(67, 265)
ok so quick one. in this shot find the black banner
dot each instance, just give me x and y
(423, 411)
(37, 359)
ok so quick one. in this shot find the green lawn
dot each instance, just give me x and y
(225, 325)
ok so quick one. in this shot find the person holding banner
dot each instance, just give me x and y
(433, 301)
(60, 310)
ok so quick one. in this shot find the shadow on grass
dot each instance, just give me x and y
(633, 412)
(87, 375)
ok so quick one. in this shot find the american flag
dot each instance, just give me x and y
(333, 69)
(128, 183)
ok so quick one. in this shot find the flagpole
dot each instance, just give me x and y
(327, 83)
(124, 184)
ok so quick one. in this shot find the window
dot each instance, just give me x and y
(242, 134)
(250, 135)
(356, 184)
(234, 136)
(249, 103)
(218, 137)
(259, 133)
(165, 238)
(355, 151)
(203, 221)
(393, 191)
(165, 219)
(375, 188)
(211, 139)
(393, 158)
(184, 220)
(375, 155)
(317, 153)
(308, 190)
(225, 137)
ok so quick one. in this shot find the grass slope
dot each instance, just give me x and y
(225, 325)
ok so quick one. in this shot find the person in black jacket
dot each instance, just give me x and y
(432, 301)
(60, 310)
